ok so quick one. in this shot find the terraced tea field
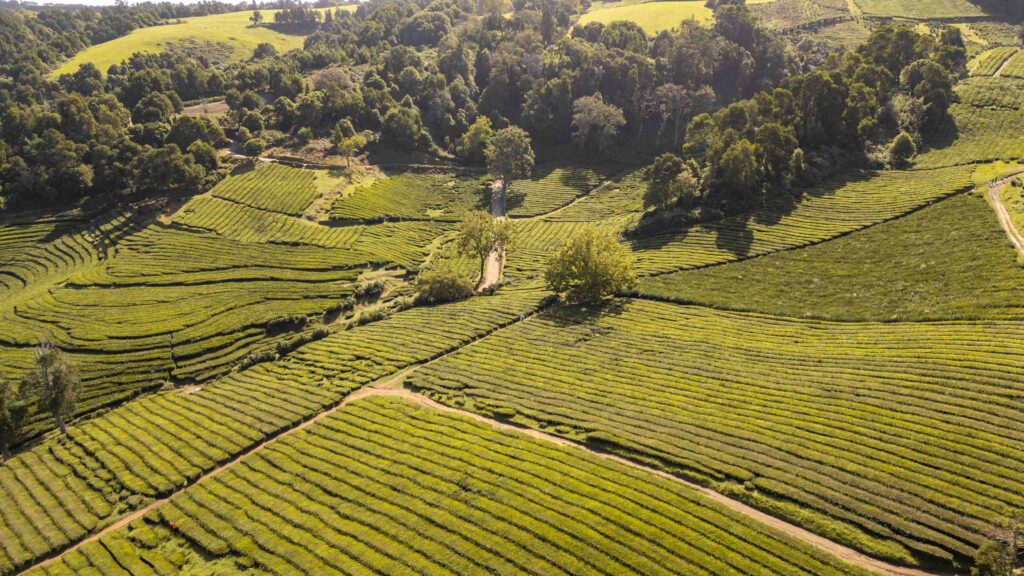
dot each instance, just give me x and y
(820, 214)
(412, 196)
(947, 261)
(990, 61)
(139, 304)
(902, 440)
(488, 501)
(153, 446)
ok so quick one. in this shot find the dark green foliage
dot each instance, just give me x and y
(439, 285)
(165, 170)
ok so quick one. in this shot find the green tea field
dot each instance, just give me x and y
(477, 288)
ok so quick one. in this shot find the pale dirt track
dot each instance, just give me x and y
(994, 188)
(1003, 66)
(496, 260)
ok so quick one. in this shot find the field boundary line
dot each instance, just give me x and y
(995, 187)
(823, 544)
(389, 382)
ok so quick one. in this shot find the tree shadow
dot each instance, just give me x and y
(589, 315)
(944, 134)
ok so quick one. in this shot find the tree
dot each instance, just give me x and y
(593, 119)
(999, 555)
(480, 234)
(442, 284)
(253, 147)
(55, 382)
(256, 18)
(473, 144)
(166, 170)
(350, 146)
(14, 406)
(902, 149)
(589, 267)
(659, 177)
(204, 155)
(509, 155)
(740, 174)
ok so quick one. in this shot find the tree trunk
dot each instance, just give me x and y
(60, 424)
(6, 451)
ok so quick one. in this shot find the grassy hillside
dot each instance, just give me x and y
(653, 17)
(231, 32)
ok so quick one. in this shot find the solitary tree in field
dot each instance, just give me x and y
(509, 155)
(589, 267)
(480, 234)
(256, 18)
(56, 383)
(14, 405)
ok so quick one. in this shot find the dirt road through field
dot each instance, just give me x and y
(496, 260)
(994, 189)
(846, 554)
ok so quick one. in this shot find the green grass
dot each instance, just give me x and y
(897, 439)
(988, 62)
(384, 486)
(917, 9)
(232, 29)
(653, 17)
(948, 261)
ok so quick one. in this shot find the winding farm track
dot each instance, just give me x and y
(994, 188)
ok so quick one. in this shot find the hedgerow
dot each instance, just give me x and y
(904, 432)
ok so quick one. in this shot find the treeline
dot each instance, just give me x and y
(874, 106)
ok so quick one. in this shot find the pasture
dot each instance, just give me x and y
(231, 30)
(917, 10)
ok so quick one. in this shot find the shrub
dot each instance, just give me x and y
(902, 149)
(370, 289)
(589, 267)
(288, 323)
(442, 285)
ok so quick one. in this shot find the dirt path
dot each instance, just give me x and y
(838, 550)
(994, 189)
(496, 260)
(1003, 66)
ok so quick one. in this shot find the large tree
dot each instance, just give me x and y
(481, 234)
(593, 120)
(509, 155)
(55, 382)
(590, 266)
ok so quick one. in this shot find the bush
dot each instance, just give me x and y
(589, 267)
(370, 289)
(442, 285)
(902, 149)
(288, 323)
(254, 147)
